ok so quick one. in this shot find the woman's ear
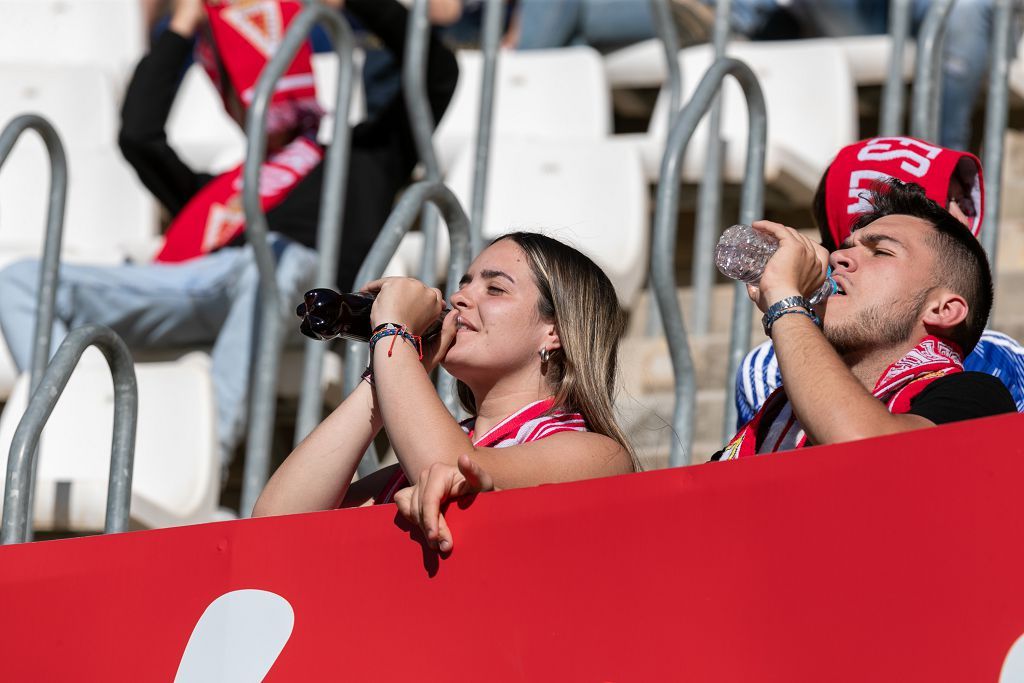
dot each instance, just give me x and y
(551, 338)
(944, 310)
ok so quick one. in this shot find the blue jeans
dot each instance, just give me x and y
(209, 300)
(603, 24)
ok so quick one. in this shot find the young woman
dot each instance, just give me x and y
(532, 338)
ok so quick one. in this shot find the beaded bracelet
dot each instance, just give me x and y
(801, 311)
(395, 331)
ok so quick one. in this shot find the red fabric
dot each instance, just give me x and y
(863, 163)
(931, 359)
(214, 216)
(246, 34)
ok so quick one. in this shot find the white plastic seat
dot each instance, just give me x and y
(560, 93)
(590, 194)
(106, 33)
(808, 120)
(177, 469)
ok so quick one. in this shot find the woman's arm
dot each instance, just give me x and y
(316, 475)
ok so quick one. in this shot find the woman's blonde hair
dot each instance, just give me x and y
(577, 295)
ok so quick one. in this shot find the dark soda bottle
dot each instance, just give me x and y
(326, 315)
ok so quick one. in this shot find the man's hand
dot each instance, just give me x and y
(797, 269)
(188, 14)
(421, 504)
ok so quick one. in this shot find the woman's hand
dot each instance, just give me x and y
(436, 348)
(187, 16)
(405, 301)
(421, 504)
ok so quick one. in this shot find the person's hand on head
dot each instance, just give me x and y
(797, 268)
(187, 16)
(421, 504)
(405, 301)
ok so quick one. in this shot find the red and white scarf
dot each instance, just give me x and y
(776, 428)
(532, 422)
(245, 34)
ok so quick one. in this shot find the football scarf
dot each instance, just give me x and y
(775, 427)
(245, 34)
(859, 166)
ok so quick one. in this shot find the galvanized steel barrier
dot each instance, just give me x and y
(329, 228)
(928, 72)
(709, 197)
(17, 510)
(421, 120)
(268, 338)
(663, 247)
(49, 271)
(891, 116)
(996, 106)
(493, 16)
(409, 206)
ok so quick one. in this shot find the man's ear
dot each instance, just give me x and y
(944, 310)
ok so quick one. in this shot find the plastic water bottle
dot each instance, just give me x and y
(326, 315)
(742, 254)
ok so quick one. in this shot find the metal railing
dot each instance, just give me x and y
(49, 271)
(893, 91)
(996, 106)
(709, 197)
(928, 72)
(409, 206)
(494, 11)
(663, 247)
(421, 121)
(17, 511)
(329, 227)
(266, 357)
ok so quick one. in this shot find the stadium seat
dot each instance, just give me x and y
(177, 469)
(805, 124)
(557, 94)
(590, 194)
(109, 34)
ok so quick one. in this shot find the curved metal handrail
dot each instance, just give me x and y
(928, 71)
(17, 511)
(996, 106)
(663, 247)
(268, 338)
(329, 227)
(493, 15)
(891, 117)
(384, 248)
(421, 122)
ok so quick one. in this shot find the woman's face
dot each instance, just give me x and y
(499, 329)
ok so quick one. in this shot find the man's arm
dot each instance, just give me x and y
(830, 402)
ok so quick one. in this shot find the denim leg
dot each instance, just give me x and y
(149, 306)
(232, 354)
(548, 23)
(614, 23)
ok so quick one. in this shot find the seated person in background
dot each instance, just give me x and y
(201, 288)
(532, 339)
(953, 179)
(915, 293)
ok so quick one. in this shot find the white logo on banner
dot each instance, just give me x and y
(237, 639)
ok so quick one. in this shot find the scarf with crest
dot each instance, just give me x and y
(243, 36)
(776, 428)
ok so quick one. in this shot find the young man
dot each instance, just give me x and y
(953, 179)
(885, 355)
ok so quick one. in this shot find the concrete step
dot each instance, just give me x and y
(720, 320)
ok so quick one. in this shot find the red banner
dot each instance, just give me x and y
(896, 559)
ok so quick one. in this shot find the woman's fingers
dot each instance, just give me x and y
(477, 479)
(403, 499)
(444, 535)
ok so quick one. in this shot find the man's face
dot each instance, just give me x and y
(885, 272)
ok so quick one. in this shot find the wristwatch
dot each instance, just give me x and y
(775, 311)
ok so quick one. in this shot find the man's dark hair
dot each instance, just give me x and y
(963, 266)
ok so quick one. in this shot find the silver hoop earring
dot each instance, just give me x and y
(544, 356)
